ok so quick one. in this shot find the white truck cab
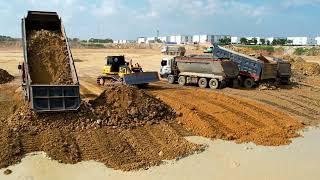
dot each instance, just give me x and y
(166, 67)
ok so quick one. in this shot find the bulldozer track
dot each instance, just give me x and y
(293, 102)
(227, 107)
(293, 111)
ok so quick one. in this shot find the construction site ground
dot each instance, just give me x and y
(246, 126)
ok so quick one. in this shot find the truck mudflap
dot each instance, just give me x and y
(141, 78)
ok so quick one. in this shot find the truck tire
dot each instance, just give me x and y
(170, 79)
(203, 82)
(214, 84)
(248, 83)
(182, 80)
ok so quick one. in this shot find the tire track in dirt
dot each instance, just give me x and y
(282, 105)
(285, 98)
(215, 115)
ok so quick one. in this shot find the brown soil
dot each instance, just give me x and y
(118, 141)
(48, 58)
(215, 115)
(5, 77)
(300, 66)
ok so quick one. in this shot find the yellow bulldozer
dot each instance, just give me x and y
(118, 71)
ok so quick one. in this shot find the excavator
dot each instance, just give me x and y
(118, 71)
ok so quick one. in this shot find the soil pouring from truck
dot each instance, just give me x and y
(197, 69)
(255, 70)
(49, 77)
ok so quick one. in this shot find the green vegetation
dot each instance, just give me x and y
(6, 38)
(92, 40)
(225, 41)
(262, 48)
(307, 51)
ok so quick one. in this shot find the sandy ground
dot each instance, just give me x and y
(298, 102)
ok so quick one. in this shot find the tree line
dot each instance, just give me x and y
(7, 38)
(254, 41)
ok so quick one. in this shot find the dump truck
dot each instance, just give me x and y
(256, 70)
(173, 50)
(40, 91)
(203, 70)
(118, 71)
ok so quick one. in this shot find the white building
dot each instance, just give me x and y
(142, 40)
(151, 40)
(270, 39)
(317, 41)
(163, 39)
(302, 41)
(235, 40)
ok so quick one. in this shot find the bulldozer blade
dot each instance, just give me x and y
(141, 78)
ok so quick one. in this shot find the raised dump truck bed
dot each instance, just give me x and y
(253, 70)
(50, 80)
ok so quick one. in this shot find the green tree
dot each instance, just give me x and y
(244, 41)
(225, 41)
(263, 41)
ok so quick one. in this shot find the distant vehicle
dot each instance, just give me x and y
(208, 50)
(254, 70)
(199, 69)
(173, 50)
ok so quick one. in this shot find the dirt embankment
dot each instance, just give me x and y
(125, 139)
(5, 77)
(300, 66)
(215, 115)
(48, 58)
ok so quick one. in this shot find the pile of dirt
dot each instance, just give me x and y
(125, 105)
(48, 58)
(300, 66)
(5, 77)
(117, 139)
(268, 86)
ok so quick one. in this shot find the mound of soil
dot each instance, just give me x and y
(125, 139)
(125, 105)
(48, 58)
(300, 66)
(5, 77)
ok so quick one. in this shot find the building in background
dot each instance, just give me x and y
(302, 41)
(235, 40)
(142, 40)
(317, 41)
(151, 40)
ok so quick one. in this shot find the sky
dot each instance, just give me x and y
(129, 19)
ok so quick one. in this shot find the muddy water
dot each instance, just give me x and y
(221, 160)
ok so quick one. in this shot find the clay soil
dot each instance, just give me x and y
(215, 115)
(120, 141)
(5, 77)
(48, 58)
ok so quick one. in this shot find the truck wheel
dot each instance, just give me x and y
(171, 79)
(214, 84)
(203, 83)
(182, 80)
(248, 83)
